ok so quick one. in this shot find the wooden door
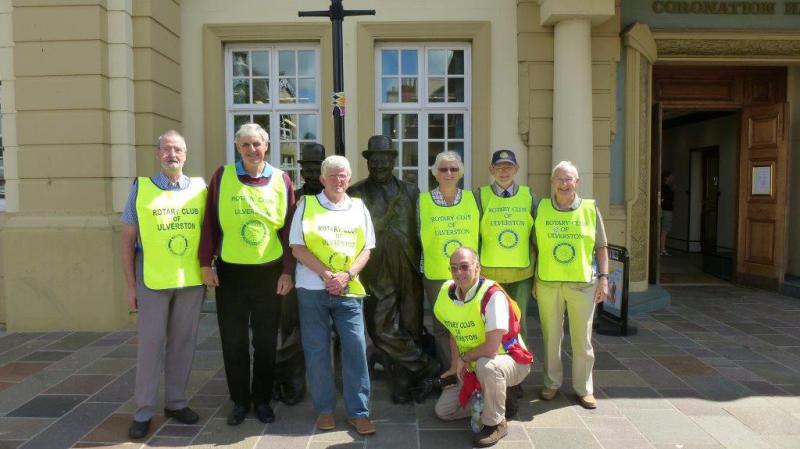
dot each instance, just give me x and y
(763, 176)
(710, 208)
(655, 193)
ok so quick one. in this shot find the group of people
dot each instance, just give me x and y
(291, 267)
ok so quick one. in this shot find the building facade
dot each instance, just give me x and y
(88, 85)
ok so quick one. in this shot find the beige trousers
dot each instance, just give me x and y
(495, 375)
(577, 299)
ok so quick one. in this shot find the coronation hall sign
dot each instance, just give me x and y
(726, 8)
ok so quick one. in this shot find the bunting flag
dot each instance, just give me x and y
(339, 103)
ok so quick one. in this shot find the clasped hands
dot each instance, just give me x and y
(335, 283)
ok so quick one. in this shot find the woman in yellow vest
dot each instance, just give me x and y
(448, 220)
(571, 242)
(244, 254)
(332, 236)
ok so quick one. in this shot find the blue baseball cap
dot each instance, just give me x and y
(501, 156)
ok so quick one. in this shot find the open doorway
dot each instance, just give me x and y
(699, 182)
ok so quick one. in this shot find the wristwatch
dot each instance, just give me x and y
(350, 275)
(602, 275)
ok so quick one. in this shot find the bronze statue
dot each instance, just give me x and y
(393, 310)
(290, 371)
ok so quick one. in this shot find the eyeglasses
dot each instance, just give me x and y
(465, 267)
(448, 169)
(504, 168)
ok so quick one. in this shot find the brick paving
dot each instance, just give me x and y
(718, 369)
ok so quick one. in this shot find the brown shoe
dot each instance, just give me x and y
(362, 425)
(588, 401)
(326, 422)
(548, 394)
(490, 435)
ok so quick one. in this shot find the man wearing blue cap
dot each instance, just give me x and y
(507, 211)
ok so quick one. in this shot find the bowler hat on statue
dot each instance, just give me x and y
(312, 152)
(379, 144)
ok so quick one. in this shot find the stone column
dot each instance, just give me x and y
(572, 98)
(572, 80)
(640, 53)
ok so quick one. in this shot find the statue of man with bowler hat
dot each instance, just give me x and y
(393, 310)
(290, 369)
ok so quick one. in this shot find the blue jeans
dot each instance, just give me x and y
(317, 308)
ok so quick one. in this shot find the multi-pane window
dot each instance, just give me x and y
(276, 86)
(423, 104)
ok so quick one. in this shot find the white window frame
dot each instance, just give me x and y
(423, 107)
(274, 108)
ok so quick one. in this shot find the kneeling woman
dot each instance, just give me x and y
(331, 237)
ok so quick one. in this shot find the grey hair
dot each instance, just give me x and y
(468, 250)
(251, 130)
(170, 132)
(448, 156)
(566, 166)
(334, 162)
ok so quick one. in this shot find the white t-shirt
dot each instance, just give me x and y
(496, 316)
(305, 277)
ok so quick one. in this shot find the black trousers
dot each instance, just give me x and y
(246, 300)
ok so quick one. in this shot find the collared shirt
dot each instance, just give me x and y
(129, 215)
(265, 173)
(511, 189)
(438, 198)
(496, 313)
(305, 277)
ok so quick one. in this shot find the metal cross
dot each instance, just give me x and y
(337, 13)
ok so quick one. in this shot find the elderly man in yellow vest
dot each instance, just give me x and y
(486, 352)
(570, 238)
(160, 240)
(507, 211)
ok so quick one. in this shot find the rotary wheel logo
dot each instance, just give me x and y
(564, 253)
(508, 239)
(338, 261)
(178, 244)
(254, 232)
(450, 246)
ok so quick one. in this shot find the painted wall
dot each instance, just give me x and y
(676, 147)
(503, 90)
(793, 95)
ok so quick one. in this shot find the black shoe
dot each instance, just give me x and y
(264, 412)
(236, 416)
(511, 403)
(294, 391)
(183, 416)
(490, 435)
(139, 429)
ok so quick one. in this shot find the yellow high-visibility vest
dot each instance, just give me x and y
(506, 229)
(335, 237)
(565, 240)
(169, 226)
(444, 230)
(250, 218)
(464, 322)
